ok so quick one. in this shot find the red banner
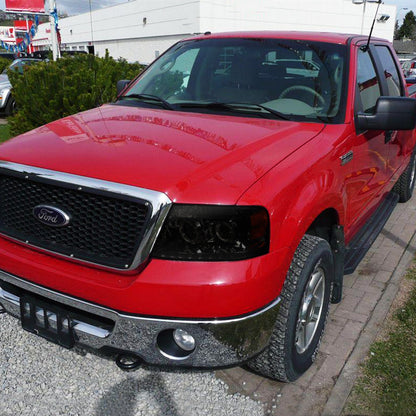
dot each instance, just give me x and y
(34, 6)
(23, 25)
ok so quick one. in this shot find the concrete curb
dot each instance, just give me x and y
(345, 382)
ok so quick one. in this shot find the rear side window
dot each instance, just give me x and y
(368, 83)
(390, 71)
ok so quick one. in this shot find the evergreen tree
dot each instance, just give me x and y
(408, 28)
(51, 90)
(396, 30)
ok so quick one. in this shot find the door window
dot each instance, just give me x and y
(390, 71)
(368, 83)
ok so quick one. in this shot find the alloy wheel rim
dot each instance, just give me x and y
(310, 310)
(413, 174)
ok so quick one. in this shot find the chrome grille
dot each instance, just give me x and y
(109, 229)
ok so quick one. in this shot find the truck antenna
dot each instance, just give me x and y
(365, 48)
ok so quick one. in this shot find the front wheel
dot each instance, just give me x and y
(302, 315)
(10, 106)
(406, 183)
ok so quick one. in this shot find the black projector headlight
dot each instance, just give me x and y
(213, 233)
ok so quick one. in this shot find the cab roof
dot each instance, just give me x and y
(339, 38)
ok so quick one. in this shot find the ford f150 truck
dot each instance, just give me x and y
(208, 216)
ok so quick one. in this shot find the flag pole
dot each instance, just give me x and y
(54, 36)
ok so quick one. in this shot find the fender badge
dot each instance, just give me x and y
(346, 158)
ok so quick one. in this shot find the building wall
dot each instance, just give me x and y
(311, 15)
(136, 30)
(141, 29)
(143, 50)
(132, 20)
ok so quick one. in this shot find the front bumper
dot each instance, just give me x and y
(218, 342)
(4, 95)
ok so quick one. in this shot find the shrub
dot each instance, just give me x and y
(4, 63)
(48, 91)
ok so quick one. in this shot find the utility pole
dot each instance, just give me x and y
(54, 36)
(362, 20)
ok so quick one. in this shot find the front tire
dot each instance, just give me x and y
(406, 183)
(10, 106)
(302, 315)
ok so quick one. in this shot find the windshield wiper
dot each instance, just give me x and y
(148, 97)
(234, 107)
(265, 108)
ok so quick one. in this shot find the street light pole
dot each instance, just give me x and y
(92, 31)
(364, 3)
(362, 19)
(398, 12)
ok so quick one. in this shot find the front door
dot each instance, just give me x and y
(370, 152)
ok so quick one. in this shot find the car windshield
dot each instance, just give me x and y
(18, 64)
(290, 79)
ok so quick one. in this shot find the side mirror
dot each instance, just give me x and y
(121, 85)
(392, 113)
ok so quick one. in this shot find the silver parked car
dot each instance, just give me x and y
(7, 102)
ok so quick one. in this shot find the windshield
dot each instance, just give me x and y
(18, 64)
(297, 80)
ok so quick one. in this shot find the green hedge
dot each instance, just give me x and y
(48, 91)
(4, 63)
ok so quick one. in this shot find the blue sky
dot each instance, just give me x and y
(80, 6)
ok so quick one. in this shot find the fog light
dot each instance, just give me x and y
(175, 344)
(184, 340)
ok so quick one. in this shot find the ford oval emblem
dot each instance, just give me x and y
(52, 216)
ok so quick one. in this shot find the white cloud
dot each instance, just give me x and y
(82, 6)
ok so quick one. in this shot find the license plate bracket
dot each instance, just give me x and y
(46, 320)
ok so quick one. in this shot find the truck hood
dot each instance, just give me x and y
(192, 157)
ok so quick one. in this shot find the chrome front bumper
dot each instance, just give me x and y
(219, 342)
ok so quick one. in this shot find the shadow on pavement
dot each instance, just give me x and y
(121, 400)
(397, 240)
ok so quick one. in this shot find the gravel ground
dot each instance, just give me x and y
(40, 378)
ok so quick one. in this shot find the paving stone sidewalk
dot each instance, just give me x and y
(351, 328)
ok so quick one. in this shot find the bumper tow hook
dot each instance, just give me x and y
(128, 362)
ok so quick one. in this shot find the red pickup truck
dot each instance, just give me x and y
(208, 216)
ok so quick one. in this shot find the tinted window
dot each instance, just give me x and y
(171, 76)
(302, 80)
(368, 84)
(390, 70)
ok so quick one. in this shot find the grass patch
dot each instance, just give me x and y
(388, 382)
(4, 132)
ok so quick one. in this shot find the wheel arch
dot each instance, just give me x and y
(323, 224)
(326, 223)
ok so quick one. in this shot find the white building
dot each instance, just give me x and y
(140, 30)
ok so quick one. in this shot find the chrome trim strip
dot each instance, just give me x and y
(9, 297)
(158, 201)
(90, 329)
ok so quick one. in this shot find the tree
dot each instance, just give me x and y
(51, 90)
(396, 30)
(408, 28)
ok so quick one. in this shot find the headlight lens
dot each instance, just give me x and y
(213, 233)
(3, 93)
